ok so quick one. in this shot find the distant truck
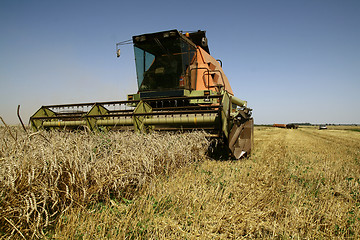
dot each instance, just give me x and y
(322, 127)
(292, 126)
(289, 126)
(279, 125)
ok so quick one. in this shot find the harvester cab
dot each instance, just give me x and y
(172, 64)
(180, 87)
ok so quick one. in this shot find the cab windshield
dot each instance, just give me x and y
(163, 64)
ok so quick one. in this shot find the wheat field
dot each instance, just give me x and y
(298, 183)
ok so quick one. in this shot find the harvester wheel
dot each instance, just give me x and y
(219, 149)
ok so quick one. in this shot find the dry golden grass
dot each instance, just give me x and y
(298, 183)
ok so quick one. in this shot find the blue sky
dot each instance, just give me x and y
(293, 61)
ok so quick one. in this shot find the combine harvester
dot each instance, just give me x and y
(180, 87)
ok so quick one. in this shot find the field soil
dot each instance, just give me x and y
(298, 183)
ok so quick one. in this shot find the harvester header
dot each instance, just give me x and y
(180, 87)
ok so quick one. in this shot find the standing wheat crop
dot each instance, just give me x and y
(44, 174)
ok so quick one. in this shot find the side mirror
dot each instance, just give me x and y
(204, 42)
